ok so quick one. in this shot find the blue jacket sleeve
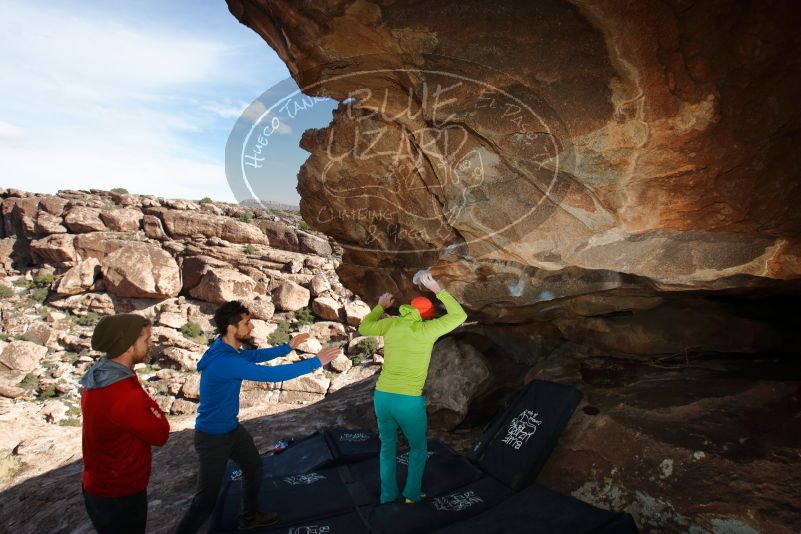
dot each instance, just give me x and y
(265, 355)
(245, 370)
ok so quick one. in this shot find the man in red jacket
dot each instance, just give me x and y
(120, 424)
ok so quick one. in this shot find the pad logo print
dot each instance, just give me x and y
(310, 529)
(236, 475)
(298, 480)
(456, 502)
(403, 459)
(354, 437)
(521, 429)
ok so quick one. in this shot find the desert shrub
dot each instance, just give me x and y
(6, 292)
(120, 190)
(280, 335)
(206, 200)
(90, 318)
(249, 249)
(245, 217)
(39, 294)
(193, 331)
(304, 316)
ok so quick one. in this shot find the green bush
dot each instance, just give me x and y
(44, 280)
(302, 225)
(73, 417)
(245, 217)
(39, 294)
(193, 331)
(48, 392)
(249, 249)
(367, 347)
(280, 335)
(6, 292)
(90, 318)
(120, 190)
(206, 200)
(304, 316)
(29, 381)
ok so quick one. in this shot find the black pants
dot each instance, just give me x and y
(213, 453)
(113, 515)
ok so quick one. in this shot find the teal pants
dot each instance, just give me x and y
(407, 412)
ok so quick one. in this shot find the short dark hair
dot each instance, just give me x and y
(228, 314)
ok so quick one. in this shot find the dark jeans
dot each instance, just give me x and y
(213, 453)
(117, 515)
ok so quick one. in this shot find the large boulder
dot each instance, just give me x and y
(326, 308)
(122, 220)
(22, 356)
(290, 296)
(99, 244)
(141, 270)
(194, 267)
(79, 278)
(355, 311)
(153, 228)
(220, 285)
(81, 219)
(319, 285)
(56, 248)
(457, 374)
(181, 224)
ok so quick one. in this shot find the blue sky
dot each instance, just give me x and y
(141, 95)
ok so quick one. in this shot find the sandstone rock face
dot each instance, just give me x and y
(640, 164)
(122, 220)
(662, 441)
(194, 267)
(356, 311)
(326, 308)
(319, 285)
(457, 374)
(141, 270)
(81, 219)
(153, 228)
(56, 248)
(78, 278)
(188, 223)
(221, 285)
(290, 296)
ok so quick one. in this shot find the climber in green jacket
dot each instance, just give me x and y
(398, 398)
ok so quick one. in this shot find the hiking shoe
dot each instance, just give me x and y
(257, 520)
(409, 501)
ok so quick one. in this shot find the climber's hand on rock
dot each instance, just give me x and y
(428, 281)
(385, 300)
(327, 354)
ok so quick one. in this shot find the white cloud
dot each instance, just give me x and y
(9, 132)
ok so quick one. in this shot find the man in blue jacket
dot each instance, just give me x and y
(218, 434)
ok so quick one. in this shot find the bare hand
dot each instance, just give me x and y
(385, 300)
(428, 281)
(298, 339)
(327, 354)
